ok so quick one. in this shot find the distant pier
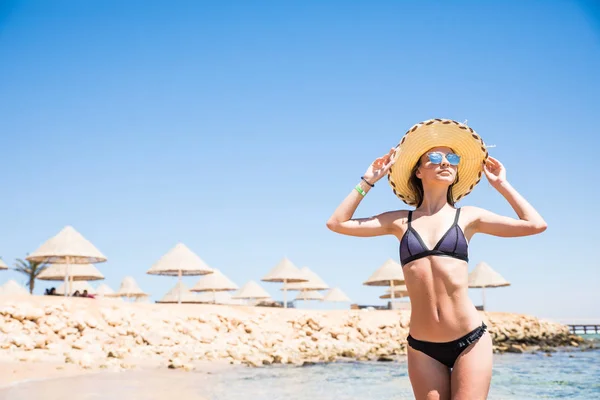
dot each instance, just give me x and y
(578, 329)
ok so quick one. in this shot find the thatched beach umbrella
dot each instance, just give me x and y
(3, 265)
(389, 274)
(309, 295)
(142, 299)
(285, 272)
(79, 272)
(251, 291)
(217, 298)
(67, 247)
(313, 281)
(337, 295)
(215, 282)
(399, 291)
(484, 276)
(180, 261)
(11, 288)
(179, 293)
(105, 291)
(76, 286)
(129, 288)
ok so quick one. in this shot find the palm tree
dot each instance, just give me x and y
(30, 268)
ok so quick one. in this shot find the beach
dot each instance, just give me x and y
(53, 337)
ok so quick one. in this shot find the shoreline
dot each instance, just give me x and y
(16, 373)
(24, 373)
(56, 337)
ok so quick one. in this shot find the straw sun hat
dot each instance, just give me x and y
(437, 133)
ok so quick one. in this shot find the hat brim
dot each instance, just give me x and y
(437, 133)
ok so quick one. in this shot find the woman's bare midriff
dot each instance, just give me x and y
(441, 310)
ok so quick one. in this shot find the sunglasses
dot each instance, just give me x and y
(436, 157)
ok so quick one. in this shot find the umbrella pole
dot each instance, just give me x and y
(67, 277)
(392, 293)
(483, 296)
(284, 293)
(179, 294)
(303, 292)
(214, 297)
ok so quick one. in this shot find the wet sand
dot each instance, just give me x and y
(57, 382)
(129, 385)
(13, 372)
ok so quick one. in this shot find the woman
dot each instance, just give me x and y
(436, 164)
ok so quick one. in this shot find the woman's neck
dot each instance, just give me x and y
(434, 199)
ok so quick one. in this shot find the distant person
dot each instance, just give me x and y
(436, 164)
(50, 292)
(86, 294)
(77, 294)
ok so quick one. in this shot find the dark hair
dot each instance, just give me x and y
(415, 184)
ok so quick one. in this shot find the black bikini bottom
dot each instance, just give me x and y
(447, 352)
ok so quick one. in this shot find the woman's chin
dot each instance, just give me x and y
(445, 179)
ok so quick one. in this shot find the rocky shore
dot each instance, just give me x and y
(109, 334)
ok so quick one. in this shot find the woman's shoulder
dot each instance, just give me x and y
(395, 214)
(472, 213)
(398, 218)
(471, 210)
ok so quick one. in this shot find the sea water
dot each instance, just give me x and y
(572, 374)
(561, 375)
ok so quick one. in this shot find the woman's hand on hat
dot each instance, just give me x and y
(380, 167)
(494, 171)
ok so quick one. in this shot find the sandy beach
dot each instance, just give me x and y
(52, 337)
(18, 371)
(64, 385)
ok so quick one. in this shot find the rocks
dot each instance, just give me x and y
(177, 363)
(522, 333)
(119, 337)
(515, 348)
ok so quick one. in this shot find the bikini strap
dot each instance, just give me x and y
(456, 217)
(409, 219)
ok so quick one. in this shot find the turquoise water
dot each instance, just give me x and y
(564, 375)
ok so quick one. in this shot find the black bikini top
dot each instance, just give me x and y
(452, 244)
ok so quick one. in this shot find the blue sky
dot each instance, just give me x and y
(237, 128)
